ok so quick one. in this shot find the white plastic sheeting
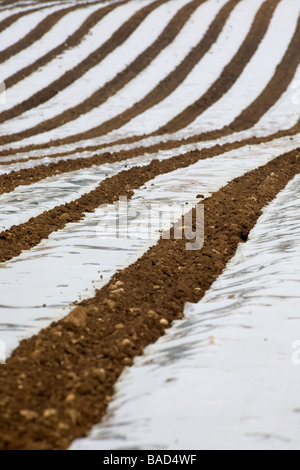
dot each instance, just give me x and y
(7, 12)
(248, 86)
(97, 36)
(258, 72)
(227, 375)
(209, 68)
(114, 63)
(283, 114)
(24, 202)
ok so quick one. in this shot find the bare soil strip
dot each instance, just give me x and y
(230, 73)
(10, 181)
(72, 41)
(141, 62)
(57, 384)
(69, 77)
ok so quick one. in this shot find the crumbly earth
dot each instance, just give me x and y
(57, 384)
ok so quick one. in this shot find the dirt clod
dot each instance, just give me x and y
(29, 414)
(77, 317)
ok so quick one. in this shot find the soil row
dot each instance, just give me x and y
(57, 384)
(27, 235)
(10, 181)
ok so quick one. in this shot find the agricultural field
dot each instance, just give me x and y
(149, 224)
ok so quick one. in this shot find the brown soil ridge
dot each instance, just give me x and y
(72, 41)
(10, 181)
(141, 62)
(27, 235)
(80, 69)
(231, 72)
(36, 33)
(57, 384)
